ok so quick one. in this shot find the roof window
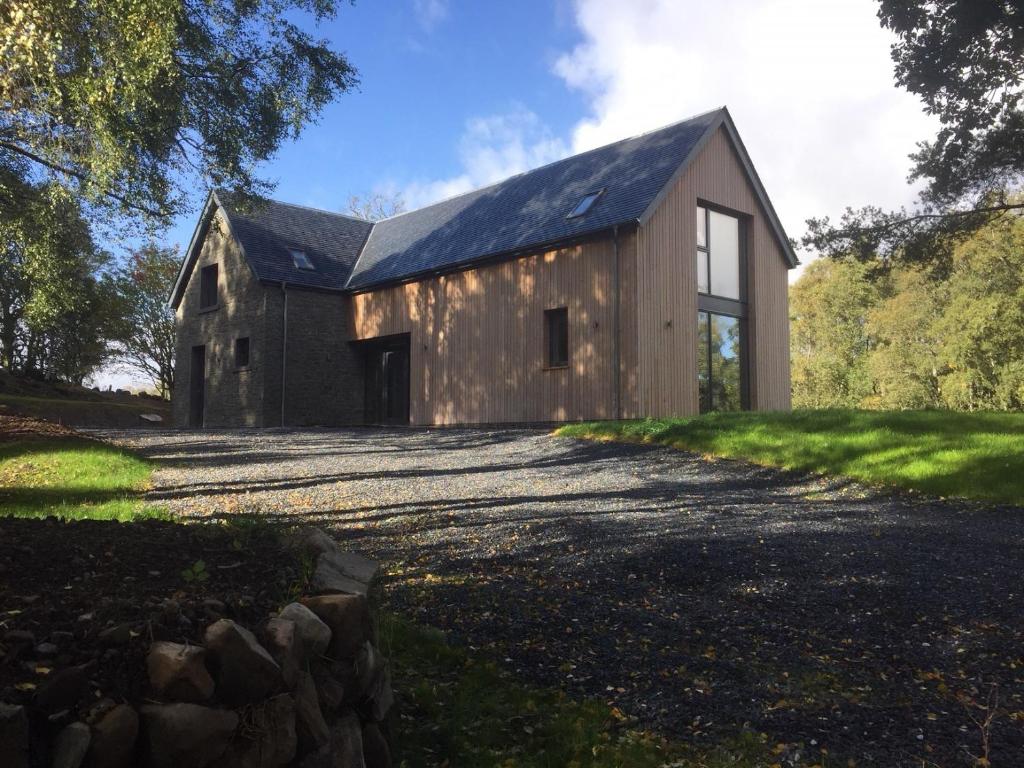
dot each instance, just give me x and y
(585, 204)
(300, 259)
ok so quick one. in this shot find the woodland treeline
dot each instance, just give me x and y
(947, 333)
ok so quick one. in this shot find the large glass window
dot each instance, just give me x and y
(718, 254)
(719, 362)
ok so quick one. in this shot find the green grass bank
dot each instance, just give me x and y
(941, 453)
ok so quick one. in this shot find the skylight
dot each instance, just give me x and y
(300, 259)
(585, 204)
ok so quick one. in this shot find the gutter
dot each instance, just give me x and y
(284, 346)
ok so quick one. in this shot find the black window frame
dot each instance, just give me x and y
(299, 253)
(556, 338)
(742, 356)
(242, 343)
(704, 251)
(209, 296)
(588, 201)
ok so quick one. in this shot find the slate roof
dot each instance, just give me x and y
(517, 214)
(531, 208)
(331, 241)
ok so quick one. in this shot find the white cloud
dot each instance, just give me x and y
(491, 149)
(809, 84)
(430, 13)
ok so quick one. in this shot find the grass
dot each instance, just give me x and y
(460, 710)
(941, 453)
(95, 413)
(72, 478)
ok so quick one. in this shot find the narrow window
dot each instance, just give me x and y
(585, 204)
(208, 287)
(719, 362)
(718, 254)
(556, 332)
(300, 259)
(242, 352)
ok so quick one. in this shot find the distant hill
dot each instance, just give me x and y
(73, 405)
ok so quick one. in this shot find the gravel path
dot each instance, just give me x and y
(699, 597)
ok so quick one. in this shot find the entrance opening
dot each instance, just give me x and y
(386, 371)
(197, 388)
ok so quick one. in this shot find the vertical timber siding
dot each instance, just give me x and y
(667, 290)
(476, 337)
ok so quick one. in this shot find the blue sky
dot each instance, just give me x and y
(457, 94)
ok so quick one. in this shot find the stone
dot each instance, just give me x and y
(344, 572)
(113, 738)
(70, 746)
(313, 542)
(246, 672)
(119, 634)
(178, 672)
(281, 639)
(62, 690)
(179, 735)
(330, 684)
(348, 617)
(46, 650)
(344, 750)
(268, 739)
(13, 736)
(310, 727)
(381, 698)
(368, 666)
(20, 637)
(316, 635)
(376, 750)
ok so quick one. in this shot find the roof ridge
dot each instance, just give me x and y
(555, 162)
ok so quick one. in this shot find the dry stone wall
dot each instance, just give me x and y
(308, 688)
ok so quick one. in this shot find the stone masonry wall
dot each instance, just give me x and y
(234, 397)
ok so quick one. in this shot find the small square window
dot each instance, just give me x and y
(208, 287)
(242, 352)
(556, 337)
(300, 259)
(585, 204)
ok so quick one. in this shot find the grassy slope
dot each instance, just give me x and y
(973, 455)
(461, 710)
(71, 478)
(82, 413)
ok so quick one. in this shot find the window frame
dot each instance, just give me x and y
(559, 315)
(588, 201)
(204, 298)
(239, 366)
(742, 356)
(296, 254)
(723, 304)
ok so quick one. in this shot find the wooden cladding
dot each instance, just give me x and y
(477, 352)
(666, 294)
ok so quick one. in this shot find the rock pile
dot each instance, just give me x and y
(309, 688)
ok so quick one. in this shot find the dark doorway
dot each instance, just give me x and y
(387, 380)
(197, 388)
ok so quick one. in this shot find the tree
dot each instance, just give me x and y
(128, 104)
(829, 343)
(965, 59)
(376, 206)
(145, 336)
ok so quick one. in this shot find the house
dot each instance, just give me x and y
(643, 278)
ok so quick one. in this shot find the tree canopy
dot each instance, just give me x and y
(129, 104)
(965, 60)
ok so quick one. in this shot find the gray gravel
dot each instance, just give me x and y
(701, 597)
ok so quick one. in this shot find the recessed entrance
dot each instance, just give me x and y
(386, 371)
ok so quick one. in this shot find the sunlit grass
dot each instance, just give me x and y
(72, 478)
(942, 453)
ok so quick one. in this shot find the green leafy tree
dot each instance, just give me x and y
(145, 335)
(905, 361)
(129, 103)
(965, 60)
(828, 337)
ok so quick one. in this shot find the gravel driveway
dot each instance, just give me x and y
(699, 597)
